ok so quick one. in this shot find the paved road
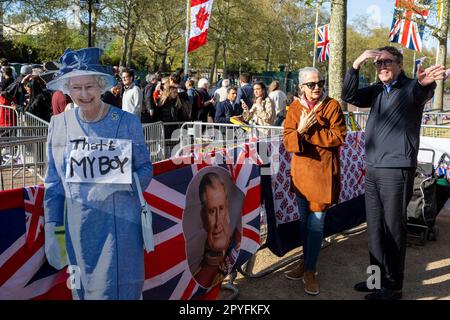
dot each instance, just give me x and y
(344, 262)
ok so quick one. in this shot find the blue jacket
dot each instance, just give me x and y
(225, 110)
(245, 92)
(102, 221)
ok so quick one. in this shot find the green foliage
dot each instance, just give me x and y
(56, 38)
(256, 35)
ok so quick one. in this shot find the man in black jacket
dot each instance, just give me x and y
(228, 108)
(392, 143)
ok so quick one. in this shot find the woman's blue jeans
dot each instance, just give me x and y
(311, 224)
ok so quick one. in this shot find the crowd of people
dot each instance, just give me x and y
(86, 102)
(173, 98)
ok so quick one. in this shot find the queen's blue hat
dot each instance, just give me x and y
(79, 63)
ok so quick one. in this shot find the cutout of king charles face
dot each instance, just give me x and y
(218, 236)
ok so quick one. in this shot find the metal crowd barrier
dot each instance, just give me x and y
(8, 117)
(154, 139)
(435, 131)
(434, 124)
(436, 118)
(29, 119)
(171, 137)
(23, 162)
(18, 124)
(22, 132)
(205, 137)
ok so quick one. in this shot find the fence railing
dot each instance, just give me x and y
(436, 118)
(23, 145)
(22, 162)
(8, 116)
(19, 124)
(154, 139)
(434, 124)
(435, 131)
(205, 136)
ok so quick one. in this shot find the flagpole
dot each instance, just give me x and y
(315, 34)
(186, 57)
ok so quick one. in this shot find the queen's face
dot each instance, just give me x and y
(85, 91)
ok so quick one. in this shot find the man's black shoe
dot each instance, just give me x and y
(384, 294)
(362, 287)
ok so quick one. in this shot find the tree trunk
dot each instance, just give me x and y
(130, 48)
(438, 102)
(267, 59)
(163, 64)
(124, 48)
(338, 38)
(1, 21)
(155, 63)
(214, 64)
(126, 37)
(224, 58)
(288, 66)
(95, 16)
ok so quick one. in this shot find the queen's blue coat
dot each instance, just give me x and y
(103, 224)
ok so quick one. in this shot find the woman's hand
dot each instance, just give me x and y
(306, 121)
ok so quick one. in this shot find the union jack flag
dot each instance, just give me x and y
(405, 28)
(168, 275)
(24, 270)
(323, 43)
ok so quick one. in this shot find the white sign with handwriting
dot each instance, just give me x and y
(99, 160)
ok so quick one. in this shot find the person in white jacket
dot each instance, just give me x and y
(132, 95)
(280, 99)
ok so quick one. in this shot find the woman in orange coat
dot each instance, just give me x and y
(313, 131)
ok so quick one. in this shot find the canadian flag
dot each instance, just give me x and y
(200, 13)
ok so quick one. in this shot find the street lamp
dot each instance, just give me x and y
(30, 52)
(89, 3)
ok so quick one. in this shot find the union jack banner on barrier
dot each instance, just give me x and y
(352, 169)
(323, 43)
(174, 202)
(405, 28)
(24, 271)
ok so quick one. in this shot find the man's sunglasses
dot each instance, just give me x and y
(386, 63)
(312, 85)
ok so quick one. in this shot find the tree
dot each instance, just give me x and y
(441, 33)
(338, 39)
(161, 31)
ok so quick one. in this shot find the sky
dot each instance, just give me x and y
(380, 13)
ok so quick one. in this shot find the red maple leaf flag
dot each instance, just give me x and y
(200, 14)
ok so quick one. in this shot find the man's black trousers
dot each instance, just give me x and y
(388, 191)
